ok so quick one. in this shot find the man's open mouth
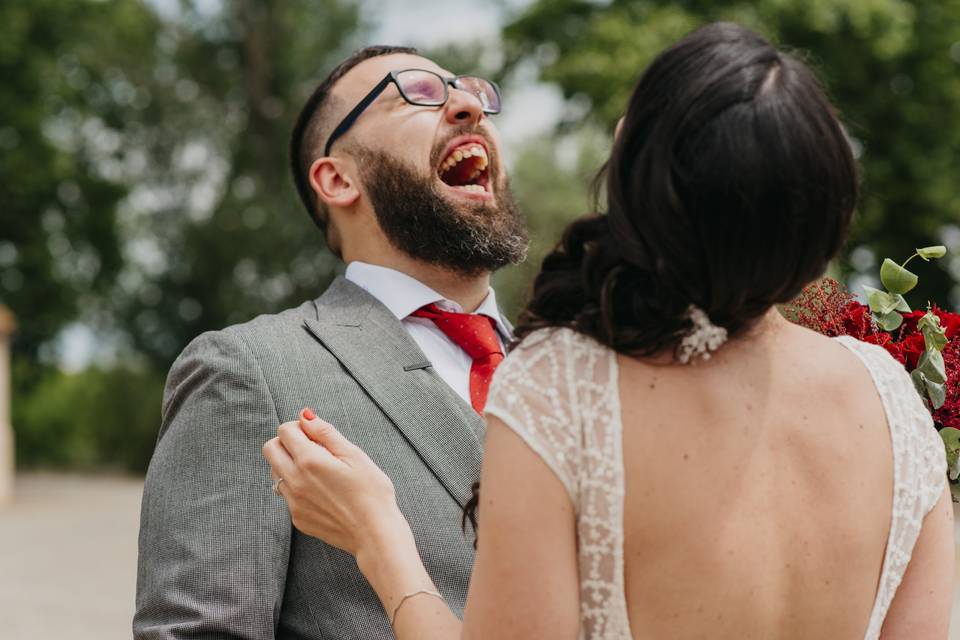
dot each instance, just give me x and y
(465, 168)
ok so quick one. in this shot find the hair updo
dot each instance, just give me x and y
(730, 186)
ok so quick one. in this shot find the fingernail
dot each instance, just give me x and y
(308, 414)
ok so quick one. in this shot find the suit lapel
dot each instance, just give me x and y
(381, 356)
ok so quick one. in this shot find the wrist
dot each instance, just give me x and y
(388, 538)
(389, 560)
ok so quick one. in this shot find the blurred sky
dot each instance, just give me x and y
(530, 108)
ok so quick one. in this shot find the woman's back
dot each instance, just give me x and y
(758, 491)
(747, 496)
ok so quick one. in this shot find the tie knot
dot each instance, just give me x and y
(474, 333)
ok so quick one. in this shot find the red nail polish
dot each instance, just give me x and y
(308, 414)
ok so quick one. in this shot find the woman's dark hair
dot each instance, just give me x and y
(730, 186)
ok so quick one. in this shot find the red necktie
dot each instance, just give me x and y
(475, 334)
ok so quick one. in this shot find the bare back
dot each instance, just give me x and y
(758, 490)
(775, 491)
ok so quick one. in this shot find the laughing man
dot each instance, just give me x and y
(399, 163)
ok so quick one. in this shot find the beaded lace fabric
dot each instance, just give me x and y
(919, 467)
(559, 393)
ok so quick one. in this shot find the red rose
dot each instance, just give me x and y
(949, 321)
(912, 348)
(884, 340)
(911, 319)
(857, 321)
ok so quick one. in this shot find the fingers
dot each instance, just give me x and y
(282, 465)
(301, 448)
(324, 433)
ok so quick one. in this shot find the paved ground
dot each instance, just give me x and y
(68, 552)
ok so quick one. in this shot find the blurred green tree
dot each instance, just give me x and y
(145, 191)
(216, 234)
(892, 67)
(551, 180)
(63, 98)
(95, 419)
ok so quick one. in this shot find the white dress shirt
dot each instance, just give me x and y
(403, 295)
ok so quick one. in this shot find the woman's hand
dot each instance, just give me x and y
(334, 491)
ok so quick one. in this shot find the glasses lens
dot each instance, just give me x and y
(422, 87)
(484, 90)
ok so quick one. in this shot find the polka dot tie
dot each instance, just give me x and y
(476, 334)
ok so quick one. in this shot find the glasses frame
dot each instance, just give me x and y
(391, 78)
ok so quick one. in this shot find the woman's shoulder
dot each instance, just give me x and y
(875, 354)
(909, 418)
(890, 377)
(556, 340)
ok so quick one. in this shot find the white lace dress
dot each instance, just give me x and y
(559, 393)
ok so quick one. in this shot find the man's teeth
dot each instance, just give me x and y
(473, 188)
(466, 152)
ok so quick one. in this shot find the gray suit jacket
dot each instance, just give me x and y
(218, 555)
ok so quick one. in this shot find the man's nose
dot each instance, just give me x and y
(463, 108)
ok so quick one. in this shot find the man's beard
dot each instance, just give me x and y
(465, 237)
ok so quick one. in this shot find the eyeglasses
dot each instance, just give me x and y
(422, 88)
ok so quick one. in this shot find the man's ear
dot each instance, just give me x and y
(332, 180)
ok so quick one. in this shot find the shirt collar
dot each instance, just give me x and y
(402, 295)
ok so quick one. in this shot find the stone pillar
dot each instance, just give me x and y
(7, 326)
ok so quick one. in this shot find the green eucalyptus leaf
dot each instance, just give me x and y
(934, 336)
(919, 382)
(932, 253)
(902, 304)
(929, 322)
(895, 278)
(890, 320)
(934, 392)
(932, 366)
(937, 392)
(951, 445)
(880, 302)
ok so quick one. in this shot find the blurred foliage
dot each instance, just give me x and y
(145, 190)
(219, 231)
(892, 67)
(551, 180)
(145, 181)
(59, 243)
(91, 419)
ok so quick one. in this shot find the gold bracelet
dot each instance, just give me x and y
(406, 597)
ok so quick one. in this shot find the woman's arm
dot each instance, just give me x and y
(336, 493)
(921, 608)
(525, 579)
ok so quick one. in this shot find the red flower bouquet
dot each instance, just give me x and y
(923, 341)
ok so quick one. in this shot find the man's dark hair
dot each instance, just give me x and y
(313, 126)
